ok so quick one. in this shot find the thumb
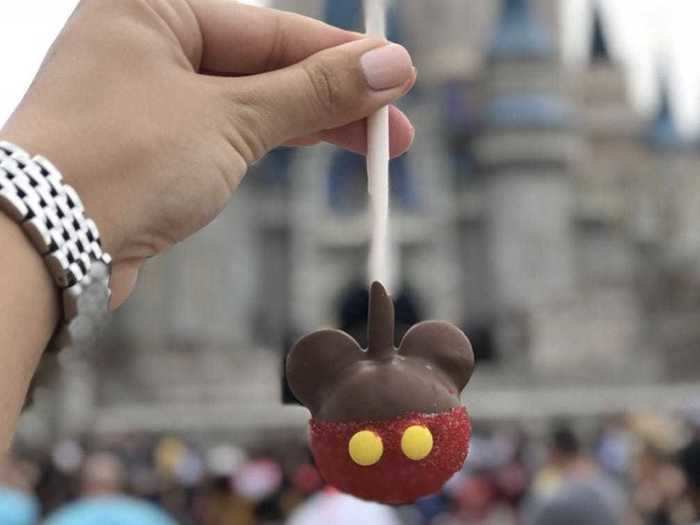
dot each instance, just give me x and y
(328, 90)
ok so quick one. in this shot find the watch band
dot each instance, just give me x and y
(32, 192)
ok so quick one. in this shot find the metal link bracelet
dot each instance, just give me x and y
(32, 192)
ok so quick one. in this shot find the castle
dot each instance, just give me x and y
(536, 210)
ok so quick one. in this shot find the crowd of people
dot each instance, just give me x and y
(628, 470)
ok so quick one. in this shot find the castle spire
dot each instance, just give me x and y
(664, 133)
(518, 34)
(600, 51)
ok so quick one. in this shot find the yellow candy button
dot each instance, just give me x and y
(417, 442)
(366, 448)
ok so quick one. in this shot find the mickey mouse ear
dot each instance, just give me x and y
(445, 346)
(316, 361)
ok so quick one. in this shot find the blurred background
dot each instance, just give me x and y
(550, 207)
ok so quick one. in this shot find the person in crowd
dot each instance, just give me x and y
(657, 485)
(689, 461)
(614, 447)
(571, 489)
(18, 506)
(103, 499)
(330, 506)
(220, 505)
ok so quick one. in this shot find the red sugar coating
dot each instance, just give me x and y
(395, 479)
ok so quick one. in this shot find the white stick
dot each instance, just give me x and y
(378, 165)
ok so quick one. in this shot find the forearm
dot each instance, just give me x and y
(28, 314)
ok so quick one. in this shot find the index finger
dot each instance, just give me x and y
(241, 39)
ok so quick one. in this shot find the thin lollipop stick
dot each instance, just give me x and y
(378, 164)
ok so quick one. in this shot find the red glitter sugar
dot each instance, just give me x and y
(395, 479)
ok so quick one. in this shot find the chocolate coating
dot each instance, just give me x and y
(337, 380)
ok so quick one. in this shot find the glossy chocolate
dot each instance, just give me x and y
(339, 381)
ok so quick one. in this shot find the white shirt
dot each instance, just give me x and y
(340, 509)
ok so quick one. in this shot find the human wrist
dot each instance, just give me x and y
(30, 314)
(51, 214)
(31, 295)
(19, 254)
(77, 165)
(97, 172)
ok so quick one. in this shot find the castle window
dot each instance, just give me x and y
(346, 14)
(482, 337)
(459, 122)
(275, 167)
(347, 183)
(401, 183)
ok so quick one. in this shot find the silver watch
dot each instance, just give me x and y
(32, 192)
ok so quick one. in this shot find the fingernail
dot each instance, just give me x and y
(387, 67)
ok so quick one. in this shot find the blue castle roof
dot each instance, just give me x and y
(519, 35)
(663, 132)
(520, 111)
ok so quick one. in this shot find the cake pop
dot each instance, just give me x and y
(387, 424)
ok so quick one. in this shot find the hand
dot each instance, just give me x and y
(153, 109)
